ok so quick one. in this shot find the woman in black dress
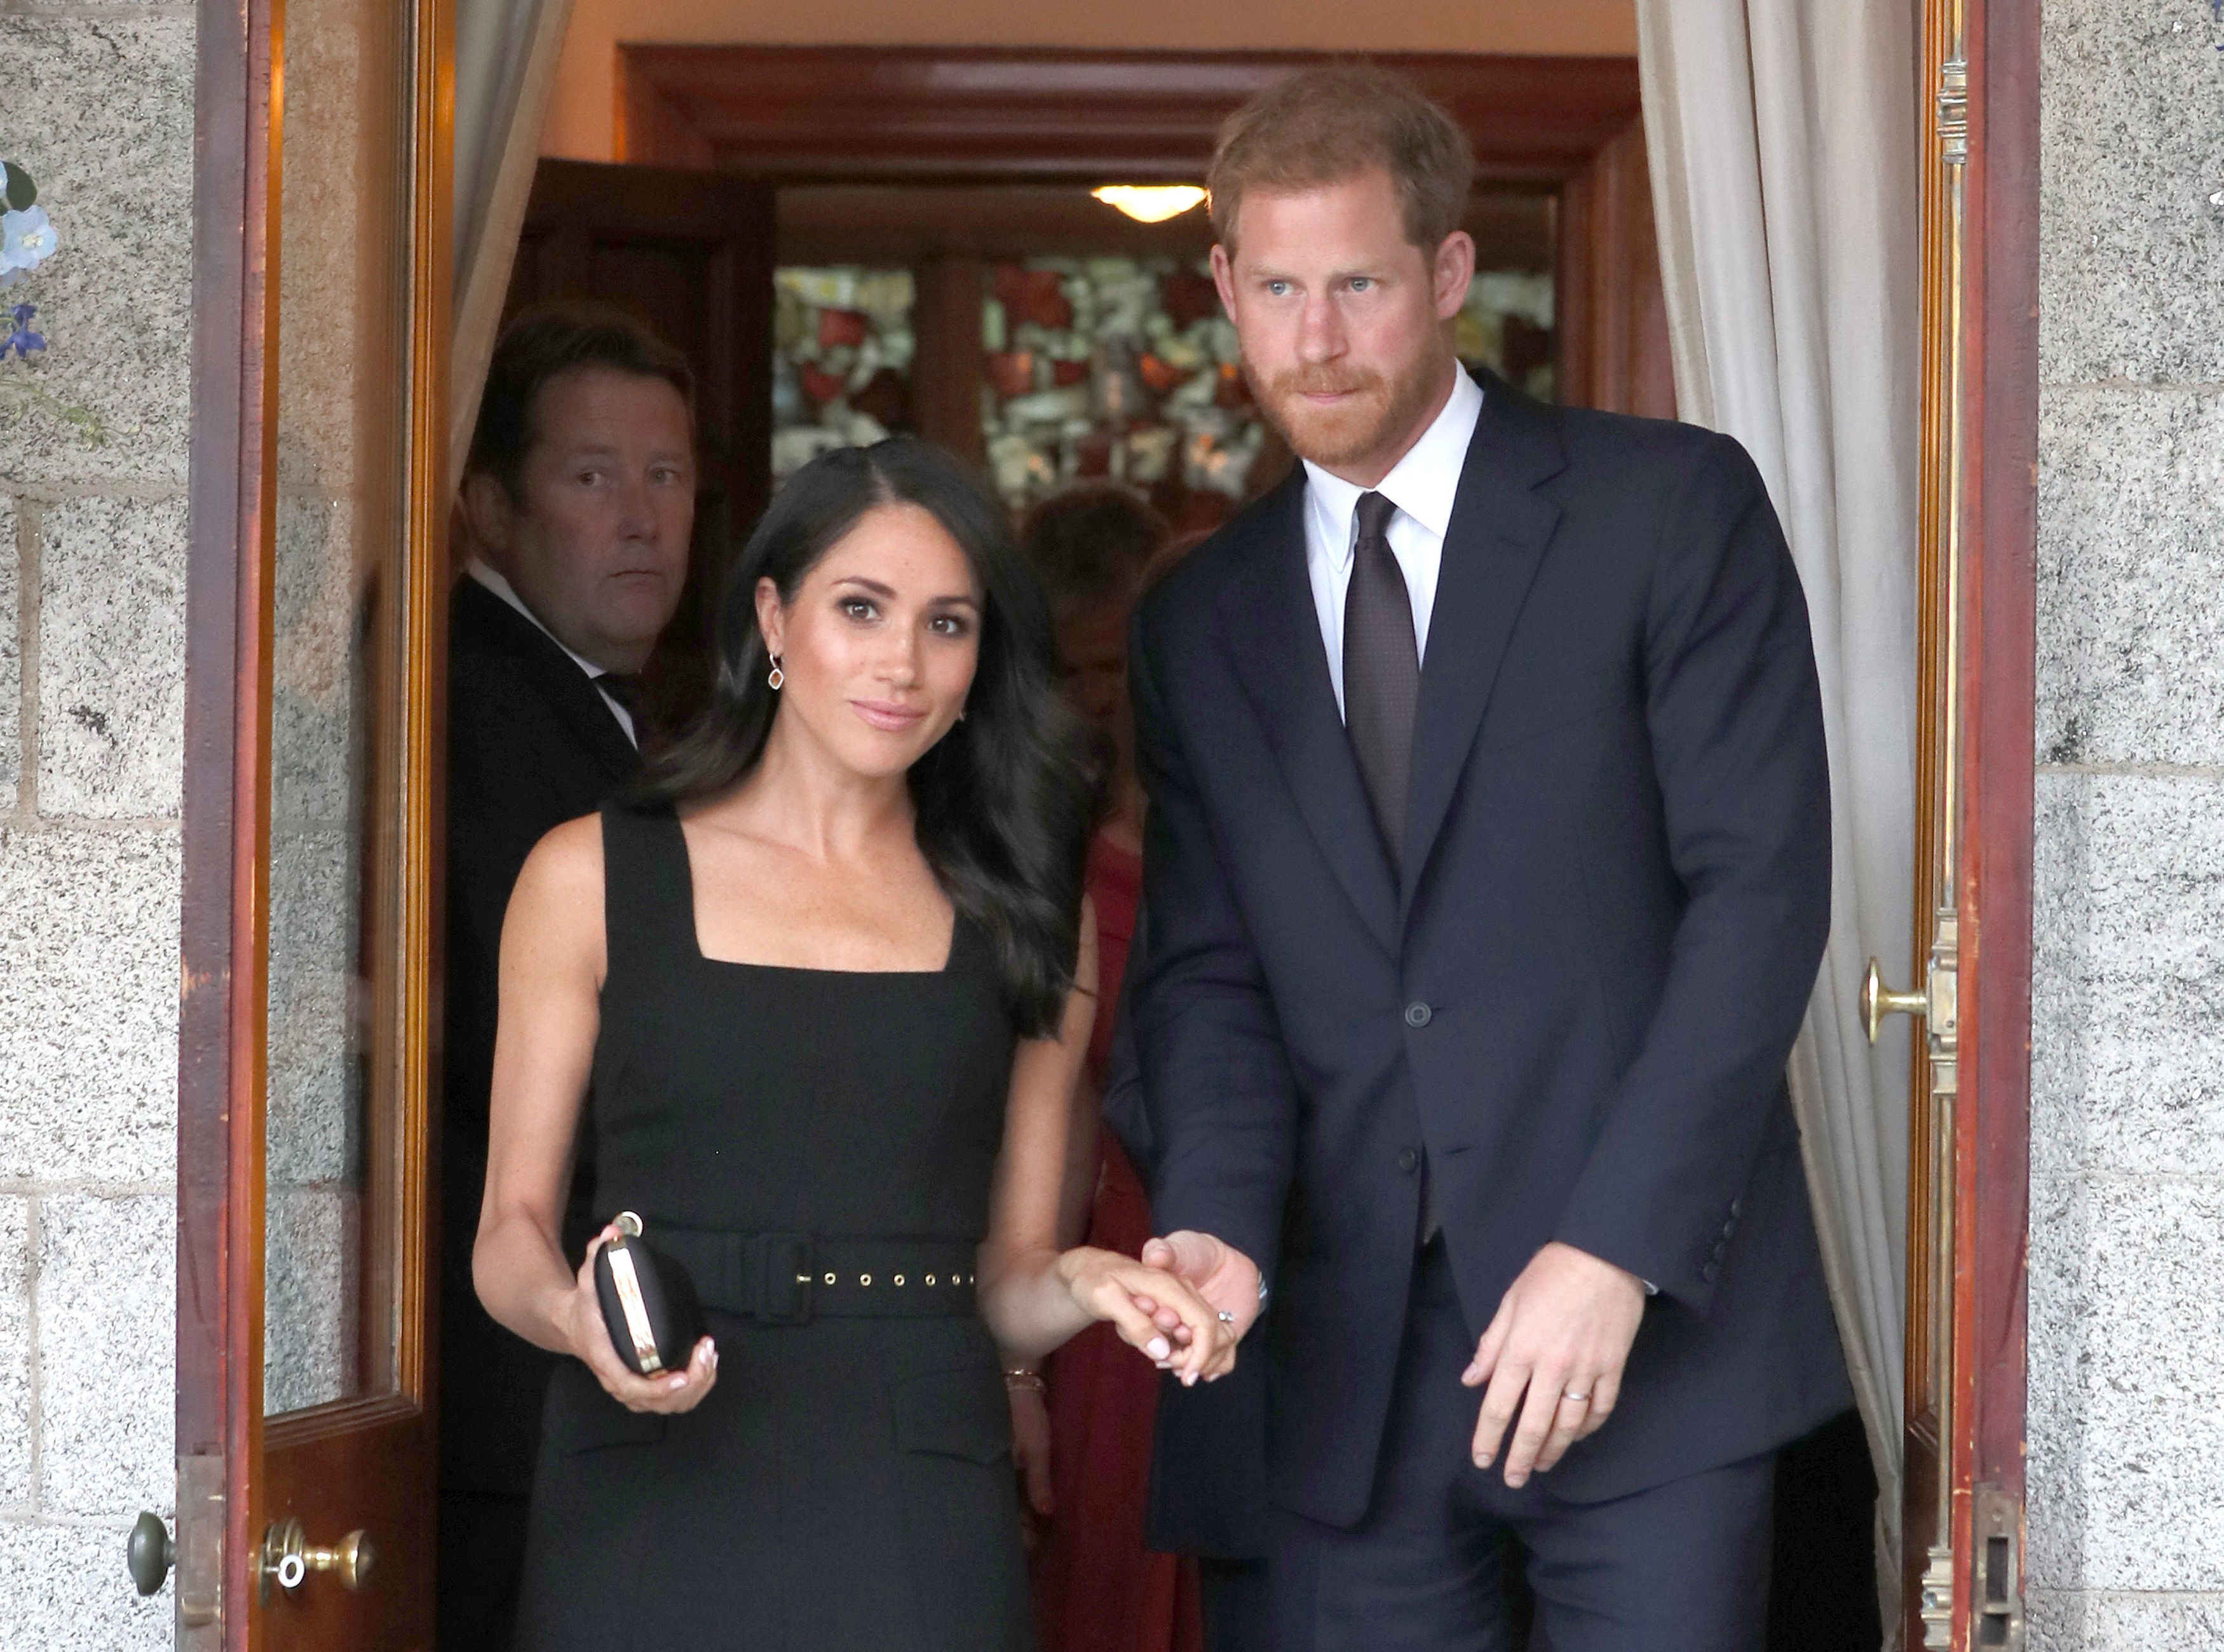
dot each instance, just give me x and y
(829, 987)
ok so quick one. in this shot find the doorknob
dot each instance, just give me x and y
(288, 1558)
(150, 1553)
(1878, 1001)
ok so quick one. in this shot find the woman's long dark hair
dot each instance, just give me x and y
(1004, 799)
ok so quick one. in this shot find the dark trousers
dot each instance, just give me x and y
(481, 1561)
(1234, 1596)
(1442, 1558)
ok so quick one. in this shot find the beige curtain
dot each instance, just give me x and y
(506, 53)
(1782, 138)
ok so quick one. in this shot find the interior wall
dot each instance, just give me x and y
(580, 117)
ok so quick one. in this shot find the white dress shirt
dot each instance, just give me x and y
(1422, 486)
(501, 588)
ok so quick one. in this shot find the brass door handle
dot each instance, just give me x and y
(288, 1558)
(1878, 1001)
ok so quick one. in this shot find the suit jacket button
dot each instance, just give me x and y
(1707, 1271)
(1408, 1160)
(1417, 1014)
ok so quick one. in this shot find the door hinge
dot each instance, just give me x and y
(198, 1579)
(1999, 1620)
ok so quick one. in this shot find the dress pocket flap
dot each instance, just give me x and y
(953, 1413)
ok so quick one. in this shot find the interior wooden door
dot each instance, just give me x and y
(1962, 1514)
(691, 253)
(316, 620)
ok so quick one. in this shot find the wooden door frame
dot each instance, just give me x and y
(231, 471)
(218, 1423)
(1999, 676)
(1566, 126)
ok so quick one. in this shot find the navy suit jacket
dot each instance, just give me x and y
(1579, 1002)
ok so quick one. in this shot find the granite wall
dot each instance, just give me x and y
(95, 101)
(2126, 1418)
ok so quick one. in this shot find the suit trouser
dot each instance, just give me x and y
(1441, 1556)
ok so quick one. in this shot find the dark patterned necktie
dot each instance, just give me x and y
(1381, 686)
(1382, 668)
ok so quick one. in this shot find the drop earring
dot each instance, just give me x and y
(776, 677)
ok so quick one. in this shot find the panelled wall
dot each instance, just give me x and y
(2126, 1417)
(97, 102)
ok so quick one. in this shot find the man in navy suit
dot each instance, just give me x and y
(1488, 876)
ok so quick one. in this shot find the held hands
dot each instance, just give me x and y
(1561, 1332)
(1153, 1309)
(589, 1336)
(1223, 1276)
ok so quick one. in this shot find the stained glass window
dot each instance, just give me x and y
(1120, 367)
(841, 354)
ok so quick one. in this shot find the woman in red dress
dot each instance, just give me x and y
(1096, 1588)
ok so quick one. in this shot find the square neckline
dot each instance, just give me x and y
(695, 932)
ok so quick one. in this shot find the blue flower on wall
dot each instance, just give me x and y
(21, 338)
(27, 240)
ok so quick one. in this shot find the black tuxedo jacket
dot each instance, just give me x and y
(1579, 1004)
(532, 743)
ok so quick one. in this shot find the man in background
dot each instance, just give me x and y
(578, 500)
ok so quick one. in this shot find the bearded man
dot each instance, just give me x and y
(1487, 874)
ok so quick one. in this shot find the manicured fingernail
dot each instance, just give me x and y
(1189, 1379)
(1158, 1347)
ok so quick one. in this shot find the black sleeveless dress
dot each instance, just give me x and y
(817, 1147)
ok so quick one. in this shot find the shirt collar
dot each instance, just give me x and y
(1423, 484)
(489, 577)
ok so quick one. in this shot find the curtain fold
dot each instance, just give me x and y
(1783, 140)
(505, 55)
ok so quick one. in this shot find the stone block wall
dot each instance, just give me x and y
(2126, 1418)
(96, 102)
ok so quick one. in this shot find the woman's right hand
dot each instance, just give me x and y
(668, 1393)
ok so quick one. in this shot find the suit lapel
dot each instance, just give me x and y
(1493, 544)
(570, 693)
(1272, 631)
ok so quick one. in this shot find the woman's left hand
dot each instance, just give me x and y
(1152, 1310)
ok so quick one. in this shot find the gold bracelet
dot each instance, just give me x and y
(1019, 1376)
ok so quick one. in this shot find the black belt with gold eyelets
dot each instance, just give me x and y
(793, 1278)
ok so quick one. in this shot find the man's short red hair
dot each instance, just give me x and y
(1323, 126)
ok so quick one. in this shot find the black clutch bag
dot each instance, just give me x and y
(648, 1301)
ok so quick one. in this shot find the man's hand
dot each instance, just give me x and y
(1562, 1334)
(1223, 1276)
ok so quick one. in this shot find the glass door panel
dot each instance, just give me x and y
(338, 704)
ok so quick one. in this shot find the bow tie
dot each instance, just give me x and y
(624, 687)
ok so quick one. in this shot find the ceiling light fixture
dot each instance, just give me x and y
(1150, 203)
